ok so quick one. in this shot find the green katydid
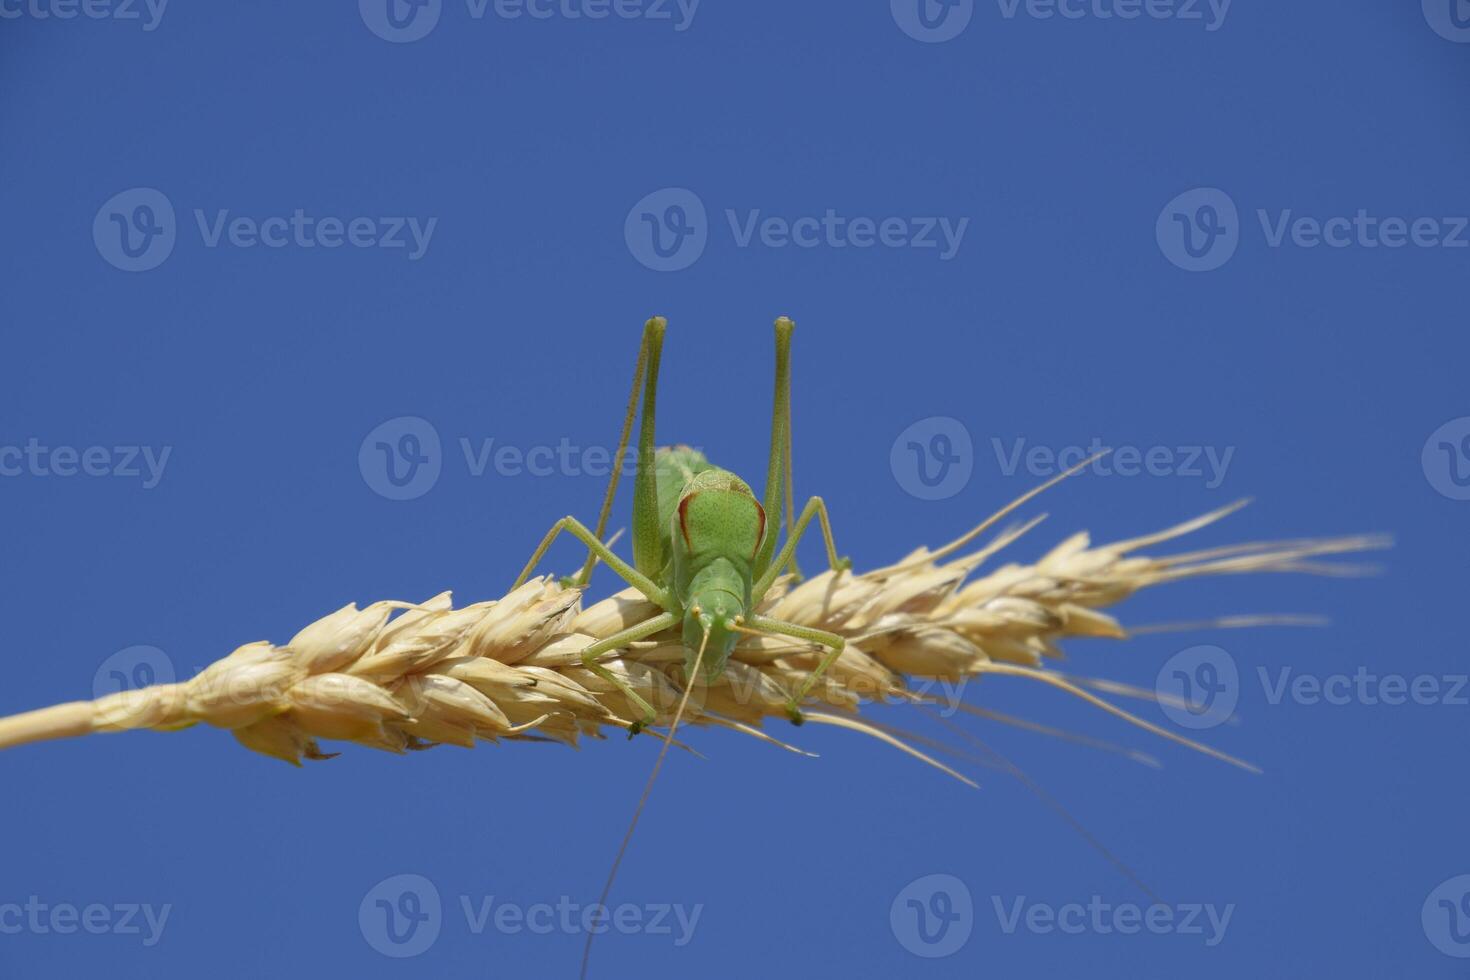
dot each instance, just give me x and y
(704, 549)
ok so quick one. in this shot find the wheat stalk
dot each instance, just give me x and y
(509, 669)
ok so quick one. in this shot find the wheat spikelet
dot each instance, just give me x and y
(509, 669)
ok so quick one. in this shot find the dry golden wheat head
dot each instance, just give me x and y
(408, 675)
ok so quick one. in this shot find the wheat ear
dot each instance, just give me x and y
(509, 668)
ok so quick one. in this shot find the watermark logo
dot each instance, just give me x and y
(400, 21)
(135, 230)
(1446, 917)
(1446, 459)
(932, 21)
(932, 916)
(1450, 19)
(132, 669)
(933, 458)
(125, 676)
(401, 459)
(1199, 687)
(667, 230)
(401, 916)
(1199, 230)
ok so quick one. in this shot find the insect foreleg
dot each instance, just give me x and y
(632, 634)
(814, 506)
(831, 641)
(635, 578)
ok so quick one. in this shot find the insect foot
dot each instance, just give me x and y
(794, 714)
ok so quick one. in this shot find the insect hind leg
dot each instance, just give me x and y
(652, 336)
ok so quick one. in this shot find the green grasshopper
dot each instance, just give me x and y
(704, 549)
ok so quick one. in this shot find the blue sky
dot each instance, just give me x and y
(244, 245)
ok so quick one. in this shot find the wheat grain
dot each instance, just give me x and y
(509, 669)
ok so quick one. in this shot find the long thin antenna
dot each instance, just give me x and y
(1051, 803)
(643, 800)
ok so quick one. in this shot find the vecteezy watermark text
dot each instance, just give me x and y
(136, 230)
(402, 21)
(1201, 229)
(676, 920)
(833, 230)
(1103, 918)
(66, 918)
(148, 12)
(669, 229)
(403, 458)
(1208, 463)
(1211, 13)
(1200, 686)
(302, 230)
(935, 21)
(35, 459)
(1363, 686)
(402, 916)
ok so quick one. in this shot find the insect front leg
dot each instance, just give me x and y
(831, 641)
(631, 575)
(632, 634)
(814, 507)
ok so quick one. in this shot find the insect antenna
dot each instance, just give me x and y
(643, 800)
(1004, 764)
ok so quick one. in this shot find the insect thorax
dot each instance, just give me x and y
(715, 529)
